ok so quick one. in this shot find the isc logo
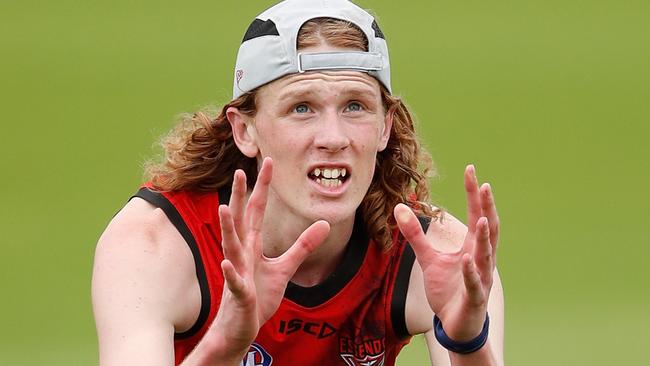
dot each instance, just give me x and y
(319, 330)
(257, 356)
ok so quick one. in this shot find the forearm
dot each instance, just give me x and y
(228, 338)
(486, 356)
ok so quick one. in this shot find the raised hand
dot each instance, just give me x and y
(457, 284)
(254, 284)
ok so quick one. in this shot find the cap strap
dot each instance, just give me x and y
(361, 61)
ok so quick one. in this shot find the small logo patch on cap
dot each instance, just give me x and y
(239, 74)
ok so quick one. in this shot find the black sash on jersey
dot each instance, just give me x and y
(398, 301)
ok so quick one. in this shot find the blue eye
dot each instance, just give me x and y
(301, 108)
(354, 107)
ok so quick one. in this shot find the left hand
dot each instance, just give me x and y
(457, 284)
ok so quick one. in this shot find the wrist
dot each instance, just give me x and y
(223, 356)
(461, 347)
(215, 352)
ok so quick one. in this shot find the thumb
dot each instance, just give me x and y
(410, 227)
(307, 242)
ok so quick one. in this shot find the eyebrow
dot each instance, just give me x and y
(304, 92)
(297, 93)
(368, 92)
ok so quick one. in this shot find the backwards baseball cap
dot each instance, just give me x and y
(268, 50)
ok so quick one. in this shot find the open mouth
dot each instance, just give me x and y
(329, 176)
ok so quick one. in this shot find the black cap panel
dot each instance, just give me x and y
(259, 28)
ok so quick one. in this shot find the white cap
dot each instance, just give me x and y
(268, 50)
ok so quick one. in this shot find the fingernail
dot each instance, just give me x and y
(485, 188)
(402, 214)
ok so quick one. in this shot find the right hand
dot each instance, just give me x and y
(254, 284)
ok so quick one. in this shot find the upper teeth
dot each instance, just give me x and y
(330, 172)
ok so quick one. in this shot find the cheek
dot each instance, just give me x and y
(368, 138)
(284, 150)
(274, 142)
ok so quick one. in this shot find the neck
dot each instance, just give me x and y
(282, 228)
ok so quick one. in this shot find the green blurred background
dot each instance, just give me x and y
(549, 98)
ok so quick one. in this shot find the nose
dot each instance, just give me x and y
(331, 134)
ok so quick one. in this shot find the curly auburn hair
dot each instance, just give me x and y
(200, 153)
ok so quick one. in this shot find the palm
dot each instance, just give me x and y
(443, 280)
(271, 282)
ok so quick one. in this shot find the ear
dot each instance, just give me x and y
(385, 134)
(243, 132)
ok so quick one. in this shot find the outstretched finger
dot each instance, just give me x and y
(234, 281)
(236, 203)
(257, 201)
(230, 242)
(490, 211)
(472, 280)
(410, 227)
(307, 242)
(483, 252)
(473, 199)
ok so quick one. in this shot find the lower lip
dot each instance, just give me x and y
(330, 191)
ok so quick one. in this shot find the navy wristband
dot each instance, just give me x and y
(461, 347)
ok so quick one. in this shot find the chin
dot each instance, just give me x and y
(334, 215)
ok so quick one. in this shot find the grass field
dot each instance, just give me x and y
(551, 100)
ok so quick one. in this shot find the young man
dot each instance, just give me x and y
(285, 230)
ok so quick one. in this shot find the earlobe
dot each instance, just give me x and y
(242, 132)
(385, 134)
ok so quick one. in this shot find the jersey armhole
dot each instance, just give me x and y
(160, 201)
(400, 289)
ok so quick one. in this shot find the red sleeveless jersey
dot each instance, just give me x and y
(355, 317)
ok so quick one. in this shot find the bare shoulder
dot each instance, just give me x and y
(446, 232)
(138, 219)
(142, 268)
(140, 234)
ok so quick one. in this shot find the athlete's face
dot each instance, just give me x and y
(323, 131)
